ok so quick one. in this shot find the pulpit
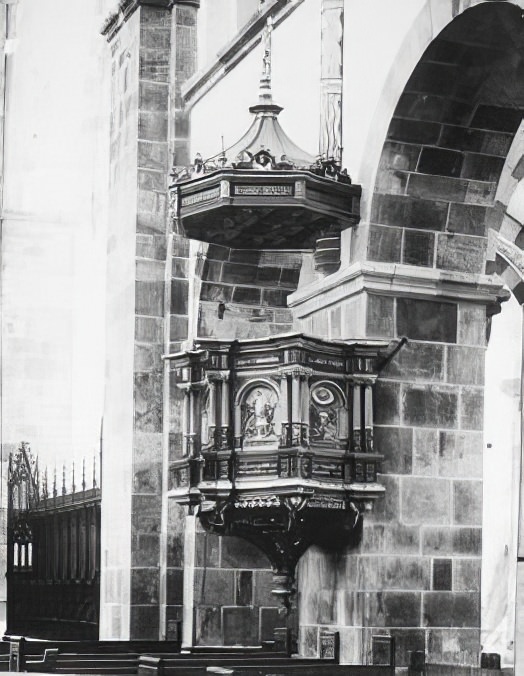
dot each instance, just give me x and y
(278, 442)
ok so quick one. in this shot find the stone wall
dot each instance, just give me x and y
(153, 50)
(226, 582)
(253, 286)
(233, 582)
(174, 298)
(420, 264)
(417, 570)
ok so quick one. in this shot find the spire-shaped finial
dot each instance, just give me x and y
(265, 78)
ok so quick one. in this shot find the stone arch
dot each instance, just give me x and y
(429, 23)
(506, 227)
(435, 194)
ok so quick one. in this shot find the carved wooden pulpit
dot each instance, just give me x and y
(278, 442)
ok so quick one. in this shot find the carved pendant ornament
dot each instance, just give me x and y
(277, 443)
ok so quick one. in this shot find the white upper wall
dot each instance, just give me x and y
(53, 239)
(218, 22)
(377, 62)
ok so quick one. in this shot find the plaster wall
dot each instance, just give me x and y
(54, 169)
(53, 232)
(502, 450)
(218, 22)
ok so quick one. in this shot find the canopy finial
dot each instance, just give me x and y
(265, 78)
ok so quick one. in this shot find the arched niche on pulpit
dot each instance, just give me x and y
(257, 415)
(328, 415)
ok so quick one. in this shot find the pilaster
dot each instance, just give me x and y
(153, 49)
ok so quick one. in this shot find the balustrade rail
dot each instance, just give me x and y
(285, 463)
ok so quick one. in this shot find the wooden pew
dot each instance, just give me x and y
(245, 666)
(100, 657)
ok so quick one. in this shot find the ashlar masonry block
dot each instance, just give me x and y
(471, 325)
(208, 625)
(472, 408)
(391, 538)
(214, 586)
(417, 361)
(391, 609)
(459, 453)
(444, 644)
(451, 609)
(384, 244)
(396, 444)
(240, 625)
(465, 365)
(429, 406)
(461, 253)
(466, 574)
(467, 502)
(425, 501)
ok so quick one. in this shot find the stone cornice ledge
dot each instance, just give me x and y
(247, 38)
(394, 279)
(116, 19)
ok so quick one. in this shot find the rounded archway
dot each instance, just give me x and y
(447, 143)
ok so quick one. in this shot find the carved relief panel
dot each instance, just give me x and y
(259, 416)
(328, 415)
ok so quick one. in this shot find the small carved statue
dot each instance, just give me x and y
(267, 63)
(198, 165)
(266, 41)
